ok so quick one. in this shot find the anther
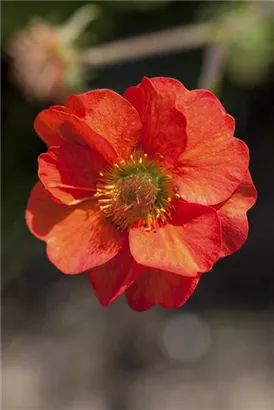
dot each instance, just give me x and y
(136, 191)
(102, 207)
(157, 154)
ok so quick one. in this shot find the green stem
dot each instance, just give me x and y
(195, 35)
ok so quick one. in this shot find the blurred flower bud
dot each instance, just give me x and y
(45, 57)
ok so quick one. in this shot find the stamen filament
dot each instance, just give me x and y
(137, 192)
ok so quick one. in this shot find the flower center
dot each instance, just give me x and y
(135, 193)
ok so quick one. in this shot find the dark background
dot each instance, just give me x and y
(61, 349)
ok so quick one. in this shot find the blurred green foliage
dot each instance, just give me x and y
(252, 48)
(137, 5)
(16, 14)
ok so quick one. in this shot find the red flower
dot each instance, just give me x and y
(144, 192)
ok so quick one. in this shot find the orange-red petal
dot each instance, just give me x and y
(110, 280)
(48, 125)
(56, 126)
(232, 214)
(113, 120)
(42, 213)
(190, 243)
(214, 162)
(156, 286)
(70, 172)
(78, 237)
(164, 126)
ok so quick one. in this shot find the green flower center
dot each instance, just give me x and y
(136, 192)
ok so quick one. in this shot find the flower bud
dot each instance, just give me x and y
(45, 57)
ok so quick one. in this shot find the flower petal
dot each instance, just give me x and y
(110, 280)
(169, 86)
(214, 162)
(43, 213)
(48, 134)
(232, 214)
(190, 243)
(112, 119)
(78, 237)
(70, 172)
(164, 126)
(48, 124)
(58, 126)
(155, 286)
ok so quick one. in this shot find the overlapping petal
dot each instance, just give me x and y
(78, 237)
(232, 214)
(214, 162)
(56, 126)
(194, 134)
(70, 172)
(101, 119)
(187, 245)
(171, 88)
(46, 125)
(42, 213)
(111, 118)
(110, 280)
(163, 124)
(156, 286)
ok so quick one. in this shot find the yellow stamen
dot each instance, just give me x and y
(136, 192)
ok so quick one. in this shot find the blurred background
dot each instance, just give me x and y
(61, 349)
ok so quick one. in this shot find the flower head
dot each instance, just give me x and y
(144, 192)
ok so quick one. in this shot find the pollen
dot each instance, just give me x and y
(136, 192)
